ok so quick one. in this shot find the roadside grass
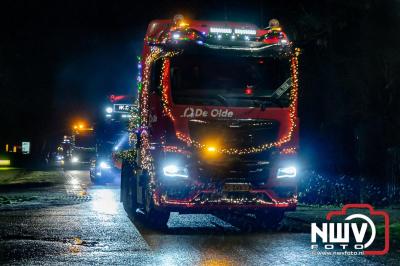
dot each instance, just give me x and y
(21, 177)
(394, 231)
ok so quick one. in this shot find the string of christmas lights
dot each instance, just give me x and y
(156, 53)
(165, 88)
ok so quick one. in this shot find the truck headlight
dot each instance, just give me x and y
(173, 170)
(105, 165)
(109, 110)
(290, 171)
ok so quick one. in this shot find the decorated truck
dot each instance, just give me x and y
(79, 148)
(111, 137)
(217, 128)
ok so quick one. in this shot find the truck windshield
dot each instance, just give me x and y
(228, 80)
(85, 141)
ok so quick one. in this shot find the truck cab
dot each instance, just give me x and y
(218, 125)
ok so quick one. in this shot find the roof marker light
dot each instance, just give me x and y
(178, 18)
(245, 31)
(220, 30)
(248, 91)
(176, 36)
(273, 23)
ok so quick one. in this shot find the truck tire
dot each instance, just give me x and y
(270, 219)
(128, 188)
(91, 174)
(157, 219)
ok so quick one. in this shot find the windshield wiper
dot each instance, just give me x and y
(260, 100)
(269, 99)
(222, 99)
(274, 98)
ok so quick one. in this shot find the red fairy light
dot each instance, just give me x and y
(115, 98)
(248, 91)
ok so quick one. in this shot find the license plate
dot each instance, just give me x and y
(234, 187)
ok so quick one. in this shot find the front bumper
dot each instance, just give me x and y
(77, 165)
(99, 173)
(210, 200)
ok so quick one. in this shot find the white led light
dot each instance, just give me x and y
(109, 110)
(247, 38)
(175, 171)
(74, 159)
(290, 171)
(219, 36)
(220, 30)
(245, 31)
(176, 36)
(104, 165)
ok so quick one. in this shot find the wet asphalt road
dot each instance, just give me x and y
(86, 224)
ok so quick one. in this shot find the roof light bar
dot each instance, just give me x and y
(220, 30)
(245, 31)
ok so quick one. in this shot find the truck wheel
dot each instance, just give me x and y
(156, 218)
(128, 188)
(91, 177)
(270, 219)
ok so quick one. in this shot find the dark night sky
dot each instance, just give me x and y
(64, 57)
(59, 59)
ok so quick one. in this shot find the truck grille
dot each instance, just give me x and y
(235, 134)
(234, 170)
(241, 133)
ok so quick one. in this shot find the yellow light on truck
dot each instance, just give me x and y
(179, 21)
(211, 149)
(183, 24)
(276, 28)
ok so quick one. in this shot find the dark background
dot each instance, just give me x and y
(59, 60)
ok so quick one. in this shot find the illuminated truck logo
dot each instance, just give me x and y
(123, 108)
(191, 112)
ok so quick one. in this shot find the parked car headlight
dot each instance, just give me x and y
(290, 171)
(173, 170)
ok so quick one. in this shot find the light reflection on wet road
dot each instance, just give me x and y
(98, 231)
